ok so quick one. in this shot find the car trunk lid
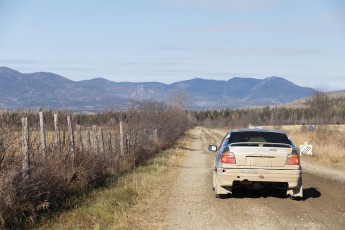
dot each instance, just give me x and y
(260, 154)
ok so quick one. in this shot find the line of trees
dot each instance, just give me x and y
(319, 109)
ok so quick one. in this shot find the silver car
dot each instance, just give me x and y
(257, 159)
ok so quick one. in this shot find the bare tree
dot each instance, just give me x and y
(178, 99)
(321, 107)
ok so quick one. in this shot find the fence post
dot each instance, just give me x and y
(25, 147)
(88, 142)
(115, 142)
(109, 144)
(121, 138)
(101, 144)
(115, 145)
(150, 135)
(64, 138)
(2, 152)
(80, 142)
(155, 135)
(57, 133)
(71, 133)
(94, 132)
(128, 142)
(43, 136)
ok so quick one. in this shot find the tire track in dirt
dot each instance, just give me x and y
(190, 206)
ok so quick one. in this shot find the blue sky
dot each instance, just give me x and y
(173, 40)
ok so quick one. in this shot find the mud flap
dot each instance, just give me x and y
(219, 190)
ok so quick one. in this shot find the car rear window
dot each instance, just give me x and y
(252, 136)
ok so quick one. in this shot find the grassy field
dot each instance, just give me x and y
(328, 144)
(112, 207)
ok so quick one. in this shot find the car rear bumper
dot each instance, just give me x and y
(226, 177)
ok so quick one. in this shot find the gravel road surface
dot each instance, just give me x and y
(192, 205)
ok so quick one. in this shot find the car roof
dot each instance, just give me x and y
(257, 130)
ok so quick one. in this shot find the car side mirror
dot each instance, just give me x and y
(212, 148)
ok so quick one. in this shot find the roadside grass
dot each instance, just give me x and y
(327, 142)
(123, 202)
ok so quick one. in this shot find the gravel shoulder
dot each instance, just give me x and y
(323, 171)
(191, 204)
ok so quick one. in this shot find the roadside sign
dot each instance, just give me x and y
(306, 149)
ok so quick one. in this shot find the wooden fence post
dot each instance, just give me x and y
(43, 136)
(80, 141)
(64, 138)
(116, 147)
(71, 133)
(109, 144)
(57, 133)
(25, 147)
(128, 142)
(94, 133)
(88, 142)
(155, 135)
(101, 144)
(121, 138)
(115, 141)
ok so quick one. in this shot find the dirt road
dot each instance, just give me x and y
(192, 205)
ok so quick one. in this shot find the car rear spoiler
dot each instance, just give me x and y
(260, 144)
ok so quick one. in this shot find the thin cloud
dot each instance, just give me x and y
(167, 71)
(272, 52)
(306, 28)
(329, 23)
(234, 27)
(239, 52)
(153, 63)
(243, 5)
(229, 75)
(338, 16)
(76, 69)
(16, 61)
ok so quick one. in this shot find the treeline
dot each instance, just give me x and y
(319, 109)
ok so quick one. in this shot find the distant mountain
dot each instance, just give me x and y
(18, 90)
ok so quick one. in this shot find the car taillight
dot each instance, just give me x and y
(228, 158)
(292, 159)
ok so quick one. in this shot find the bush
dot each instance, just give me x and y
(149, 128)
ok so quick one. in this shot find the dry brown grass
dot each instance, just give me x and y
(125, 201)
(327, 141)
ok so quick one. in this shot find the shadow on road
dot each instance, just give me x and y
(310, 193)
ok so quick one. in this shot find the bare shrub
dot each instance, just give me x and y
(149, 128)
(47, 187)
(321, 108)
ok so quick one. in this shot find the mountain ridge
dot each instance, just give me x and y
(44, 89)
